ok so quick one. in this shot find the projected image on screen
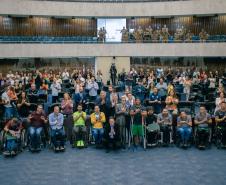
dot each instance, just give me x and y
(113, 28)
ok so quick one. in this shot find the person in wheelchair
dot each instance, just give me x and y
(152, 128)
(164, 120)
(111, 135)
(184, 128)
(57, 133)
(37, 120)
(97, 120)
(220, 118)
(12, 133)
(79, 130)
(202, 131)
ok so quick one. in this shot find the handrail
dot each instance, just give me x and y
(98, 42)
(113, 1)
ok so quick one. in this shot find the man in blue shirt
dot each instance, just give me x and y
(139, 91)
(155, 101)
(57, 133)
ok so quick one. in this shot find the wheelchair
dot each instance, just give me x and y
(152, 135)
(166, 140)
(17, 146)
(41, 142)
(181, 143)
(80, 139)
(202, 136)
(59, 144)
(220, 136)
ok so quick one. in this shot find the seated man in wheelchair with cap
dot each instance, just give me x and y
(152, 127)
(12, 137)
(220, 118)
(202, 130)
(57, 133)
(37, 120)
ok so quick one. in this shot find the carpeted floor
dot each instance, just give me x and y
(156, 166)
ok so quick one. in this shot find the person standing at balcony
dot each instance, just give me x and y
(165, 34)
(147, 33)
(104, 34)
(203, 35)
(155, 36)
(125, 34)
(100, 35)
(188, 36)
(139, 34)
(183, 32)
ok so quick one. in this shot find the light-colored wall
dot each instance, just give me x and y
(110, 50)
(104, 63)
(193, 7)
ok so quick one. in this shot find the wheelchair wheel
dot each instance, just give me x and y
(219, 136)
(2, 140)
(24, 139)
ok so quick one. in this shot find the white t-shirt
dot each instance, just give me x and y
(6, 98)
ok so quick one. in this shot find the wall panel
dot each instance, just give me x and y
(39, 26)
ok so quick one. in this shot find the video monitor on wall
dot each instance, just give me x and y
(113, 28)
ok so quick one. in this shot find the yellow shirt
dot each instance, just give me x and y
(97, 123)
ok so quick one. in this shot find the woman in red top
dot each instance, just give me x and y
(67, 110)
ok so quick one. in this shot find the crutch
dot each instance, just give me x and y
(144, 131)
(130, 132)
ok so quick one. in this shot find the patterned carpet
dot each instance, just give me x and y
(157, 166)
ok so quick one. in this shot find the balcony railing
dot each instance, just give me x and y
(94, 40)
(114, 1)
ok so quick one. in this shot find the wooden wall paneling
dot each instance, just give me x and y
(66, 27)
(1, 26)
(219, 25)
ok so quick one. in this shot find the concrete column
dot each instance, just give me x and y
(104, 64)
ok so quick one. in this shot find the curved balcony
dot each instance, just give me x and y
(111, 49)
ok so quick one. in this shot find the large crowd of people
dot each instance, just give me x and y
(143, 108)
